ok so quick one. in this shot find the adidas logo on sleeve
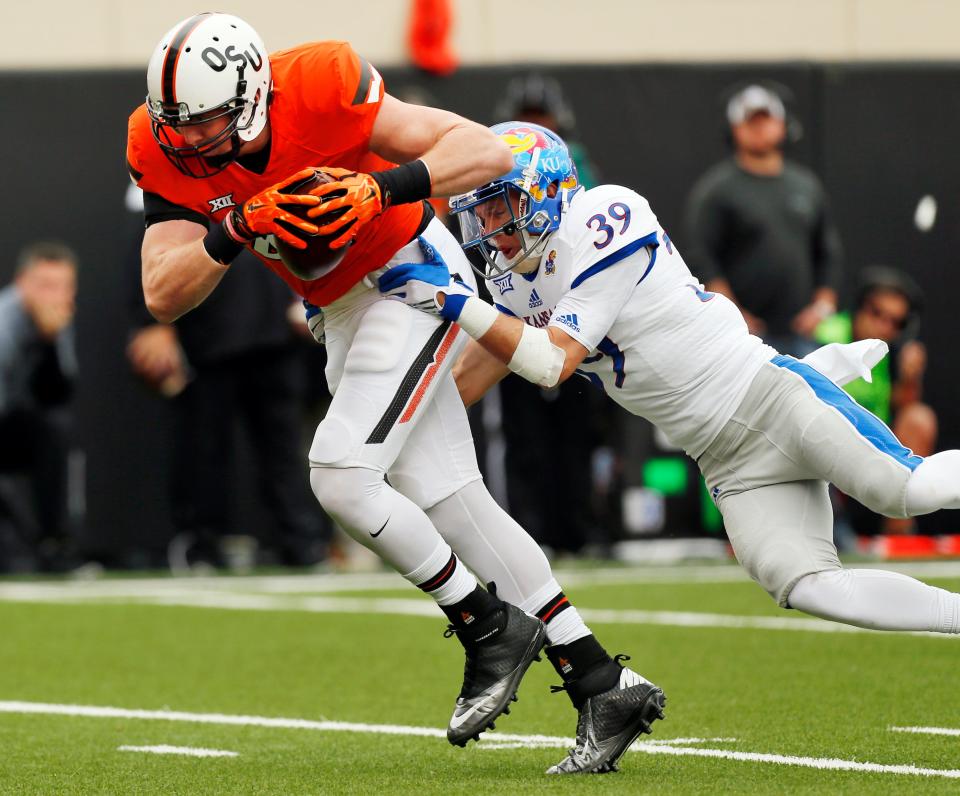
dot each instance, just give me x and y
(569, 320)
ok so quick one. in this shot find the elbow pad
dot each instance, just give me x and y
(537, 359)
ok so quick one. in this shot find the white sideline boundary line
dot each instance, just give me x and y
(509, 740)
(296, 593)
(388, 581)
(928, 730)
(422, 607)
(189, 751)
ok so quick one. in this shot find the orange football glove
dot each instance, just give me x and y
(260, 213)
(361, 196)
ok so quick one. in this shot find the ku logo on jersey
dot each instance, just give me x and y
(221, 203)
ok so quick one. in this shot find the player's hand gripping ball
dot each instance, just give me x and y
(358, 197)
(317, 258)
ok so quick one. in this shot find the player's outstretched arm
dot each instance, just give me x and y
(183, 261)
(440, 154)
(177, 272)
(543, 356)
(459, 154)
(476, 371)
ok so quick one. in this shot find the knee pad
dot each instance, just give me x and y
(825, 588)
(332, 442)
(381, 337)
(882, 487)
(781, 565)
(781, 533)
(347, 494)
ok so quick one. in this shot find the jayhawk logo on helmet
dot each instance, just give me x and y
(540, 159)
(541, 150)
(522, 140)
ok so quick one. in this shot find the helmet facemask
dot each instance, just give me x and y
(540, 184)
(198, 160)
(530, 227)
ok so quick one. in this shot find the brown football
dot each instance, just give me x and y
(318, 258)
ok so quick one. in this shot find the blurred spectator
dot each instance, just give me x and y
(556, 504)
(887, 307)
(38, 370)
(759, 231)
(233, 361)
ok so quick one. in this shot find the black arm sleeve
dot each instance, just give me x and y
(157, 209)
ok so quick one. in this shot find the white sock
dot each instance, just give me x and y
(878, 600)
(443, 576)
(565, 627)
(935, 484)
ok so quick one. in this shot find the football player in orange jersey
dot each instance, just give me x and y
(224, 130)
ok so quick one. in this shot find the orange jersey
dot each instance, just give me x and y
(325, 101)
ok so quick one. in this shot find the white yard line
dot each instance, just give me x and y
(928, 730)
(189, 751)
(502, 740)
(821, 763)
(684, 741)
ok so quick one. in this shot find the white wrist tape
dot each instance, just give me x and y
(537, 359)
(477, 317)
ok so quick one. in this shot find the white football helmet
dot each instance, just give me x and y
(207, 67)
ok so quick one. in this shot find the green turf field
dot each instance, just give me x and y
(333, 684)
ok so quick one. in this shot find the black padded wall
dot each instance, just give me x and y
(881, 136)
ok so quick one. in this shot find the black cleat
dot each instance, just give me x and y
(609, 722)
(500, 649)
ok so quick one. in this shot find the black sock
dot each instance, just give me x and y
(585, 667)
(472, 609)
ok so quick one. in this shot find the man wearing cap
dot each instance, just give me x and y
(758, 229)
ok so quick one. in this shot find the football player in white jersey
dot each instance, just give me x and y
(588, 282)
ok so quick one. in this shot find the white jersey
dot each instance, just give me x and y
(660, 346)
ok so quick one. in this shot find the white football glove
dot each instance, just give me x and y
(417, 284)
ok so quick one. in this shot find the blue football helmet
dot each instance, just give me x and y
(541, 183)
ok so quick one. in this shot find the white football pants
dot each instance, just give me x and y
(793, 432)
(396, 412)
